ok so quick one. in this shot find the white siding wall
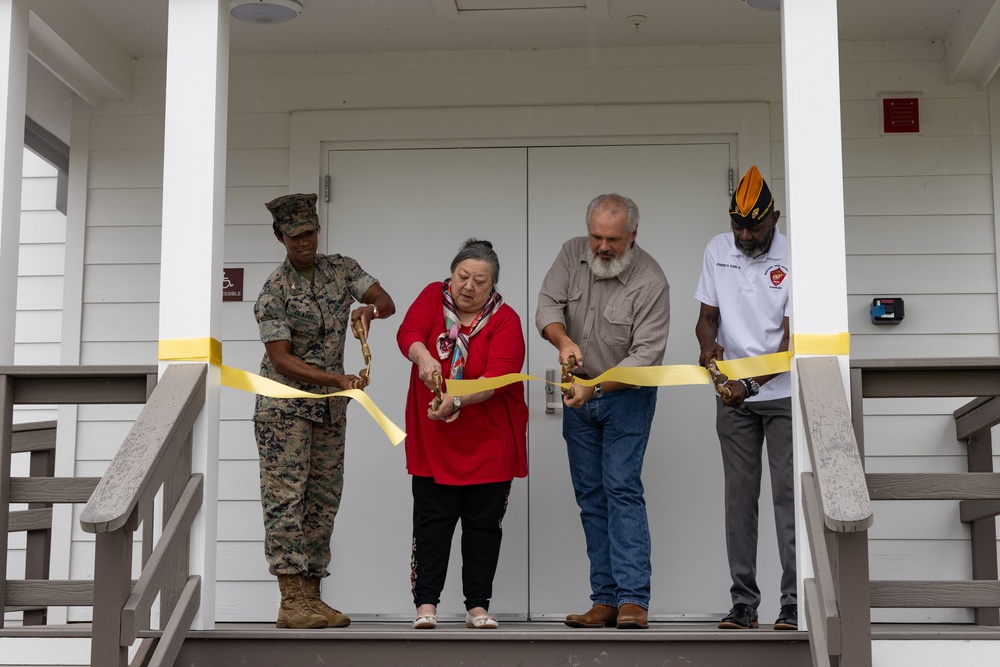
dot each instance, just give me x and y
(920, 226)
(40, 271)
(38, 323)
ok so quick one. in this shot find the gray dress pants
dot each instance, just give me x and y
(742, 434)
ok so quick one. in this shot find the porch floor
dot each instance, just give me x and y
(533, 630)
(508, 631)
(520, 643)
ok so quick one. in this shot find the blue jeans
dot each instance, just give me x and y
(606, 441)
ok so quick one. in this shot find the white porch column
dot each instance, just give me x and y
(814, 178)
(13, 90)
(194, 179)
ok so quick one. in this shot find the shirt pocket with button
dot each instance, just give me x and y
(616, 331)
(574, 305)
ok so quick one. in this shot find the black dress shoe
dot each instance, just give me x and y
(741, 617)
(788, 619)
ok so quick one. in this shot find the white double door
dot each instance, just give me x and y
(403, 215)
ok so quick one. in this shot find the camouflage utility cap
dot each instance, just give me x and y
(294, 214)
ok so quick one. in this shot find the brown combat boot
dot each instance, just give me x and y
(334, 618)
(295, 610)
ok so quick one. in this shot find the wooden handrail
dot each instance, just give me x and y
(154, 456)
(837, 513)
(840, 476)
(136, 473)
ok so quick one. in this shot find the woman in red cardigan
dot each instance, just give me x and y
(463, 452)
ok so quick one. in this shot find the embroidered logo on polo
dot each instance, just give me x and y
(777, 274)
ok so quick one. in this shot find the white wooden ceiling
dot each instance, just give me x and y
(92, 44)
(327, 26)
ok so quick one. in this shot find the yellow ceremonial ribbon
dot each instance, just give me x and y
(210, 350)
(838, 343)
(664, 376)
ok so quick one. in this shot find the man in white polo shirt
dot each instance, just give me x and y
(743, 292)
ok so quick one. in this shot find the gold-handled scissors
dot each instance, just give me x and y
(567, 376)
(436, 403)
(719, 379)
(366, 352)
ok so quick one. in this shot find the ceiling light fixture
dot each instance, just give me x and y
(265, 11)
(766, 5)
(637, 20)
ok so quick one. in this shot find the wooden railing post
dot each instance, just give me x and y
(6, 446)
(984, 531)
(112, 586)
(38, 547)
(173, 488)
(853, 600)
(858, 412)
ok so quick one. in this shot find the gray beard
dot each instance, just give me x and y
(758, 249)
(612, 268)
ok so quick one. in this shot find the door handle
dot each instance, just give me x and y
(553, 399)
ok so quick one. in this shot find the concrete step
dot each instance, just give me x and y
(524, 644)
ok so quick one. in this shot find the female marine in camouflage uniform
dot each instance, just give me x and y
(302, 313)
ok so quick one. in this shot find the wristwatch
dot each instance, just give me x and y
(751, 386)
(457, 402)
(598, 390)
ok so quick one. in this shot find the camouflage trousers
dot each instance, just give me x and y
(301, 481)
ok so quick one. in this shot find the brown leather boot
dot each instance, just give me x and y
(599, 616)
(334, 618)
(295, 610)
(632, 617)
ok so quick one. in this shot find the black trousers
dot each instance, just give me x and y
(437, 509)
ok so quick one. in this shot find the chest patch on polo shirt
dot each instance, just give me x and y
(777, 274)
